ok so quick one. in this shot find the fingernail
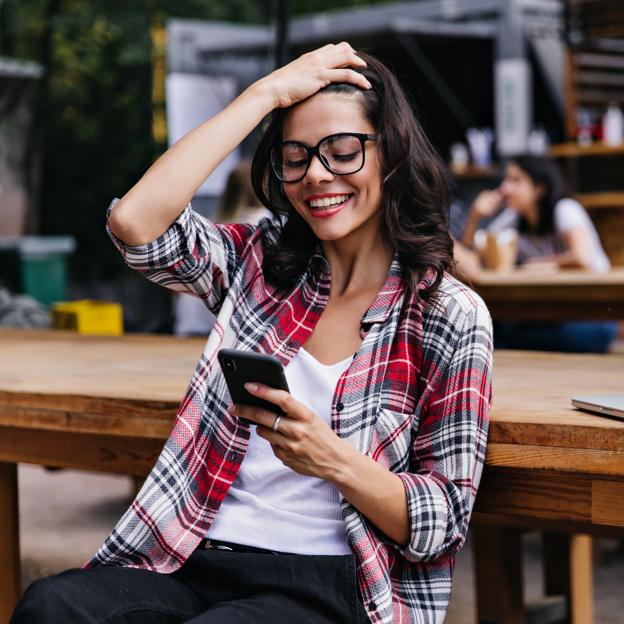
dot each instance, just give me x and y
(231, 409)
(251, 386)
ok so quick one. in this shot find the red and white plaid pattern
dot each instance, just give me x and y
(415, 399)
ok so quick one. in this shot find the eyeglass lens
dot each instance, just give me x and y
(342, 154)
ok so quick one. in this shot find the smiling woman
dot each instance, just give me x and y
(364, 143)
(345, 501)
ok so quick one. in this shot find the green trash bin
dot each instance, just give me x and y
(36, 265)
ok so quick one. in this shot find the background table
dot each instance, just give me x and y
(558, 296)
(107, 404)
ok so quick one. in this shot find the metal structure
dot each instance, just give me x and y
(17, 81)
(504, 46)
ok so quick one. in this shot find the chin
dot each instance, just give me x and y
(331, 235)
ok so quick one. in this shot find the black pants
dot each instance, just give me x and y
(213, 586)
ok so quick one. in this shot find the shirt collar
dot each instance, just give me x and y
(388, 296)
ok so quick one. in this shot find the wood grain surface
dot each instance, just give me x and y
(144, 368)
(574, 150)
(553, 296)
(127, 385)
(573, 278)
(132, 386)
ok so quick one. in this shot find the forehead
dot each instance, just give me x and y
(513, 170)
(324, 114)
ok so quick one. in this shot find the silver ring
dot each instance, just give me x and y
(276, 423)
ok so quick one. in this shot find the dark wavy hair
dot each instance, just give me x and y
(414, 188)
(543, 172)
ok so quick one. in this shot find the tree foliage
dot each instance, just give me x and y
(93, 108)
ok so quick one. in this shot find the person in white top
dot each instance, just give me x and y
(554, 232)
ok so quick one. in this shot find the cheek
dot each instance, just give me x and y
(371, 195)
(528, 193)
(370, 182)
(512, 189)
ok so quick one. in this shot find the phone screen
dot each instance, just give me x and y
(241, 367)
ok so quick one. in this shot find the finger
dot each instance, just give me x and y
(350, 57)
(254, 414)
(281, 454)
(343, 58)
(349, 75)
(281, 398)
(277, 439)
(344, 45)
(339, 55)
(319, 54)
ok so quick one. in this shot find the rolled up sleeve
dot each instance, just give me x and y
(448, 451)
(194, 255)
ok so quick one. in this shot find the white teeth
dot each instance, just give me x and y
(325, 202)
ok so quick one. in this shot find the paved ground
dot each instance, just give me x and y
(65, 516)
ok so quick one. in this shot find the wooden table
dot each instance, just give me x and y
(107, 404)
(557, 296)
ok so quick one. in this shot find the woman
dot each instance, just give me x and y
(352, 506)
(239, 203)
(554, 232)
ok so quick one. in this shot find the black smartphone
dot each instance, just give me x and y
(241, 367)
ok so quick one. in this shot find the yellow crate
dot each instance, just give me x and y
(101, 318)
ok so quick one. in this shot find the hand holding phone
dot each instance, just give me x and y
(241, 367)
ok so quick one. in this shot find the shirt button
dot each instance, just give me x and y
(339, 406)
(372, 605)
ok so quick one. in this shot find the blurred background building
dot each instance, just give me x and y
(109, 86)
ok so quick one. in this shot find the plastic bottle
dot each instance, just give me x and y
(613, 125)
(459, 157)
(584, 127)
(537, 141)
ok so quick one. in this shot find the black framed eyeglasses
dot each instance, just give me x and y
(341, 154)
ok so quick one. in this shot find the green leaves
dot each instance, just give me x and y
(94, 110)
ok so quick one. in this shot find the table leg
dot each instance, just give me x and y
(581, 579)
(568, 570)
(497, 553)
(10, 589)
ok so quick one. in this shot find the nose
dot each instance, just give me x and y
(317, 172)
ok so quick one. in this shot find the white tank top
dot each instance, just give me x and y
(271, 506)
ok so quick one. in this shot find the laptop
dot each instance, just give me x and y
(605, 404)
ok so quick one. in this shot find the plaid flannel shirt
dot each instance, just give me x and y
(415, 399)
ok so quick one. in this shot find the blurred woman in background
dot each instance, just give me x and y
(554, 232)
(239, 203)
